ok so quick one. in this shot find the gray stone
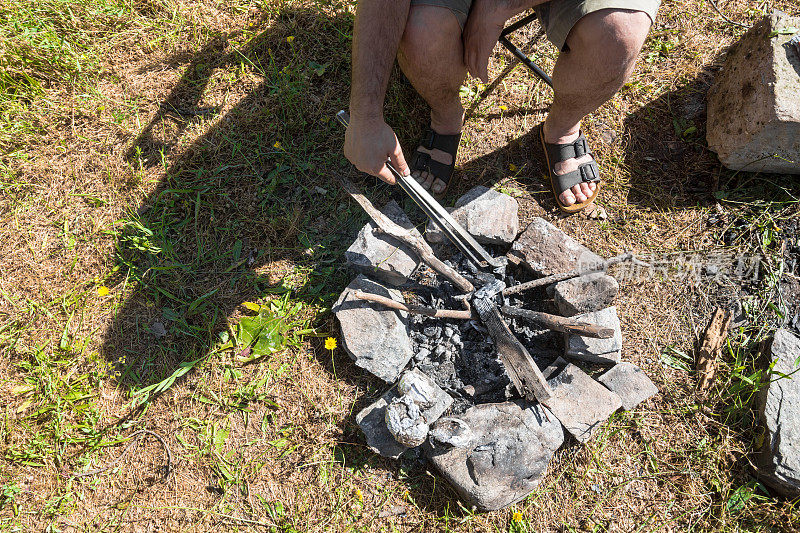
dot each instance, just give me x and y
(381, 256)
(603, 351)
(544, 249)
(418, 402)
(779, 406)
(452, 431)
(405, 423)
(431, 399)
(512, 443)
(489, 216)
(372, 421)
(580, 403)
(158, 330)
(753, 106)
(375, 337)
(584, 294)
(630, 383)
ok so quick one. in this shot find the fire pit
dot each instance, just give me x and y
(484, 390)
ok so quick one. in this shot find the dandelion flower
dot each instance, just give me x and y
(359, 495)
(290, 38)
(277, 145)
(102, 290)
(512, 167)
(516, 517)
(330, 343)
(503, 108)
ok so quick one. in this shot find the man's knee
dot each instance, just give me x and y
(619, 33)
(429, 28)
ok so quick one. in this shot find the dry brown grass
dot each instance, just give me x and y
(294, 459)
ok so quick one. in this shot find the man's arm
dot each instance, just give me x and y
(484, 25)
(369, 141)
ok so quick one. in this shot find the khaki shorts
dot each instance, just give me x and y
(556, 16)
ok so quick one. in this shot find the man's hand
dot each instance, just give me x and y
(369, 143)
(483, 28)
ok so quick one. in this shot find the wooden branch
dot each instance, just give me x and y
(710, 348)
(417, 244)
(520, 366)
(413, 309)
(555, 278)
(560, 323)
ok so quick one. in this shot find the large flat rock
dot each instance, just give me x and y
(375, 337)
(509, 447)
(585, 294)
(544, 250)
(754, 104)
(603, 351)
(383, 257)
(630, 383)
(489, 216)
(780, 414)
(580, 403)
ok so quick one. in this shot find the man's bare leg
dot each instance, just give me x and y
(432, 58)
(603, 47)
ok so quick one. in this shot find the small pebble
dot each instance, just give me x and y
(422, 354)
(431, 331)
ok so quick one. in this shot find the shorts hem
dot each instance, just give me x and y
(558, 27)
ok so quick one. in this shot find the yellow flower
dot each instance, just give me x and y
(503, 108)
(102, 290)
(277, 145)
(330, 343)
(512, 167)
(359, 495)
(517, 516)
(290, 38)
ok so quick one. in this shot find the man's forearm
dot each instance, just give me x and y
(378, 28)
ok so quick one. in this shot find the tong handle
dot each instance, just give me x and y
(462, 240)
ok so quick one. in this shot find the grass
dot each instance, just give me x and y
(183, 156)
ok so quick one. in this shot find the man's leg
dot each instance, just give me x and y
(603, 47)
(432, 58)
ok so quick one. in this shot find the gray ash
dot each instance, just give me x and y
(459, 355)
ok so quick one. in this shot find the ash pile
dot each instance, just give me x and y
(488, 421)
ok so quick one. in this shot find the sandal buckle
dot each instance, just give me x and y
(589, 172)
(429, 139)
(581, 147)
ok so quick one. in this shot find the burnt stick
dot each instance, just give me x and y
(555, 278)
(560, 323)
(419, 246)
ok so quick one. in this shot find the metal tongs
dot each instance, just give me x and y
(462, 240)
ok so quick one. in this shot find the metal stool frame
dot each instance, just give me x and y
(519, 54)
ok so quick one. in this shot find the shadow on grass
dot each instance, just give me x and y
(669, 164)
(247, 211)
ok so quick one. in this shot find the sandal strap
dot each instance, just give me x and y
(437, 141)
(424, 162)
(419, 161)
(561, 152)
(587, 172)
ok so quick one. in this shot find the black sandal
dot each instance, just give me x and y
(587, 172)
(422, 162)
